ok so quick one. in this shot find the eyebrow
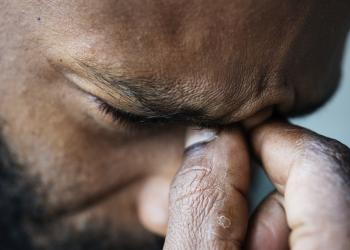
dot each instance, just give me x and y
(162, 107)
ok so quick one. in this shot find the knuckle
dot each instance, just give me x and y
(329, 152)
(194, 185)
(217, 212)
(326, 148)
(195, 193)
(201, 196)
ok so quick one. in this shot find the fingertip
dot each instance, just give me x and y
(153, 204)
(275, 143)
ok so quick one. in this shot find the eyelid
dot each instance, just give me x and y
(129, 118)
(135, 121)
(117, 113)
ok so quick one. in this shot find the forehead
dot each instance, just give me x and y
(148, 33)
(177, 41)
(171, 34)
(203, 47)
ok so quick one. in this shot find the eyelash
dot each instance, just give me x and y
(116, 115)
(128, 120)
(135, 122)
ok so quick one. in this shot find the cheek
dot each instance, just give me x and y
(72, 157)
(90, 164)
(75, 164)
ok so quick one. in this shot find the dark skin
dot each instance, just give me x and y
(309, 210)
(96, 98)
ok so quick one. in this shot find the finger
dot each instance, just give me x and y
(153, 204)
(268, 229)
(313, 173)
(208, 207)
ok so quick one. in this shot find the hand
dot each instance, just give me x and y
(311, 207)
(208, 207)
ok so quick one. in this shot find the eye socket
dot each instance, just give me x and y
(111, 117)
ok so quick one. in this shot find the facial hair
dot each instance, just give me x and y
(20, 210)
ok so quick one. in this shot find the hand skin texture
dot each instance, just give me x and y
(208, 206)
(74, 74)
(312, 176)
(310, 209)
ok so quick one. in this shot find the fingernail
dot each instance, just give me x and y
(197, 136)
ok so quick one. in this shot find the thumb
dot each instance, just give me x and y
(208, 206)
(312, 172)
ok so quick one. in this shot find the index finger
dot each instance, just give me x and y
(208, 207)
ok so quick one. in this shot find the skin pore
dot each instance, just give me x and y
(159, 66)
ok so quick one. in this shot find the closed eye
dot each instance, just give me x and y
(130, 119)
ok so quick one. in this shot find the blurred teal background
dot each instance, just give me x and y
(332, 120)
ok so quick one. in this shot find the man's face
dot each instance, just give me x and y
(95, 96)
